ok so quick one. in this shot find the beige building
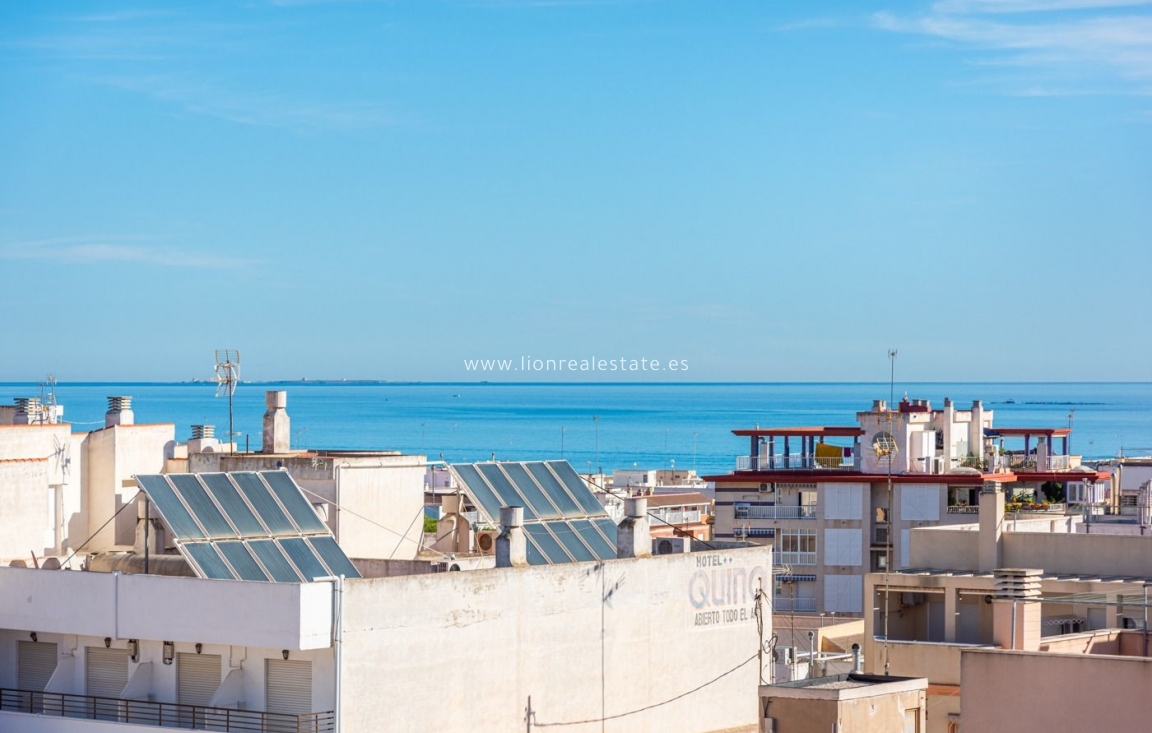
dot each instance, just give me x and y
(1014, 621)
(841, 501)
(846, 703)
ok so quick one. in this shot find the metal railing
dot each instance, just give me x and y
(792, 462)
(1012, 508)
(164, 714)
(677, 517)
(784, 603)
(779, 511)
(794, 558)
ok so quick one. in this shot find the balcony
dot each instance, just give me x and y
(778, 511)
(674, 517)
(1014, 508)
(794, 462)
(784, 603)
(162, 714)
(793, 558)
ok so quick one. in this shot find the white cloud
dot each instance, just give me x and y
(1060, 44)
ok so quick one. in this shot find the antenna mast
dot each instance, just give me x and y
(227, 376)
(885, 445)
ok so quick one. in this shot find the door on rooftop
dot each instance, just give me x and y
(105, 677)
(35, 663)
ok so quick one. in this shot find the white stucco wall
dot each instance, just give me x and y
(382, 513)
(464, 651)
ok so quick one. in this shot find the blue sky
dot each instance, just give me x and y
(768, 191)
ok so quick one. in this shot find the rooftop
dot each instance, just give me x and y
(850, 431)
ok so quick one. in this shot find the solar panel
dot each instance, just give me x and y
(333, 556)
(265, 505)
(299, 508)
(260, 526)
(241, 560)
(508, 494)
(229, 499)
(556, 491)
(578, 487)
(274, 561)
(572, 542)
(478, 489)
(173, 511)
(209, 562)
(196, 498)
(563, 520)
(303, 558)
(547, 543)
(531, 491)
(600, 545)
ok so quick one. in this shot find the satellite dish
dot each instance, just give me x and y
(883, 444)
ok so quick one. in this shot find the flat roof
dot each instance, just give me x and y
(832, 476)
(821, 431)
(1027, 431)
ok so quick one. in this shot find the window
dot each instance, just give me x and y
(796, 546)
(881, 534)
(741, 509)
(879, 561)
(912, 720)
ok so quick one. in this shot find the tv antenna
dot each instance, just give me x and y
(227, 376)
(884, 446)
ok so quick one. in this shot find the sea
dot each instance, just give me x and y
(600, 426)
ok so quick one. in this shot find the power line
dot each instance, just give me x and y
(102, 526)
(617, 716)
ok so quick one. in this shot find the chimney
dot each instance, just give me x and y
(119, 412)
(857, 661)
(203, 439)
(277, 428)
(1016, 622)
(991, 525)
(26, 410)
(633, 538)
(511, 547)
(879, 406)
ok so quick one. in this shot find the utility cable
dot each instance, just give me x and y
(122, 508)
(682, 695)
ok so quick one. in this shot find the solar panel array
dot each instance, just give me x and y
(246, 526)
(563, 520)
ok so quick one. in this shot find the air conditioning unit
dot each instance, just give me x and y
(671, 545)
(767, 489)
(783, 655)
(486, 541)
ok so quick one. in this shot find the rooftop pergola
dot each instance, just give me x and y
(809, 437)
(1050, 433)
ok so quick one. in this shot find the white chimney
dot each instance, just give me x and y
(634, 536)
(511, 546)
(119, 411)
(277, 427)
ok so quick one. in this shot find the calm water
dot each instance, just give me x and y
(646, 425)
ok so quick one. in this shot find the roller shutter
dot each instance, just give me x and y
(36, 663)
(287, 686)
(197, 678)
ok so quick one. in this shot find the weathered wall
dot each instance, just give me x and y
(25, 499)
(375, 497)
(464, 651)
(881, 713)
(1089, 554)
(1037, 692)
(952, 548)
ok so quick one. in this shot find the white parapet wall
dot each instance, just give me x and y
(121, 606)
(464, 651)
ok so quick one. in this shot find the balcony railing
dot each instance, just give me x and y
(793, 558)
(779, 511)
(784, 603)
(687, 517)
(1012, 508)
(163, 714)
(793, 462)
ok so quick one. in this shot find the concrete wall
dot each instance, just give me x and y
(1091, 554)
(27, 504)
(114, 456)
(276, 615)
(464, 651)
(1037, 692)
(878, 712)
(951, 548)
(375, 497)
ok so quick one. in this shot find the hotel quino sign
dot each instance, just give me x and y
(722, 592)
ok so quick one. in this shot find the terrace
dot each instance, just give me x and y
(815, 453)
